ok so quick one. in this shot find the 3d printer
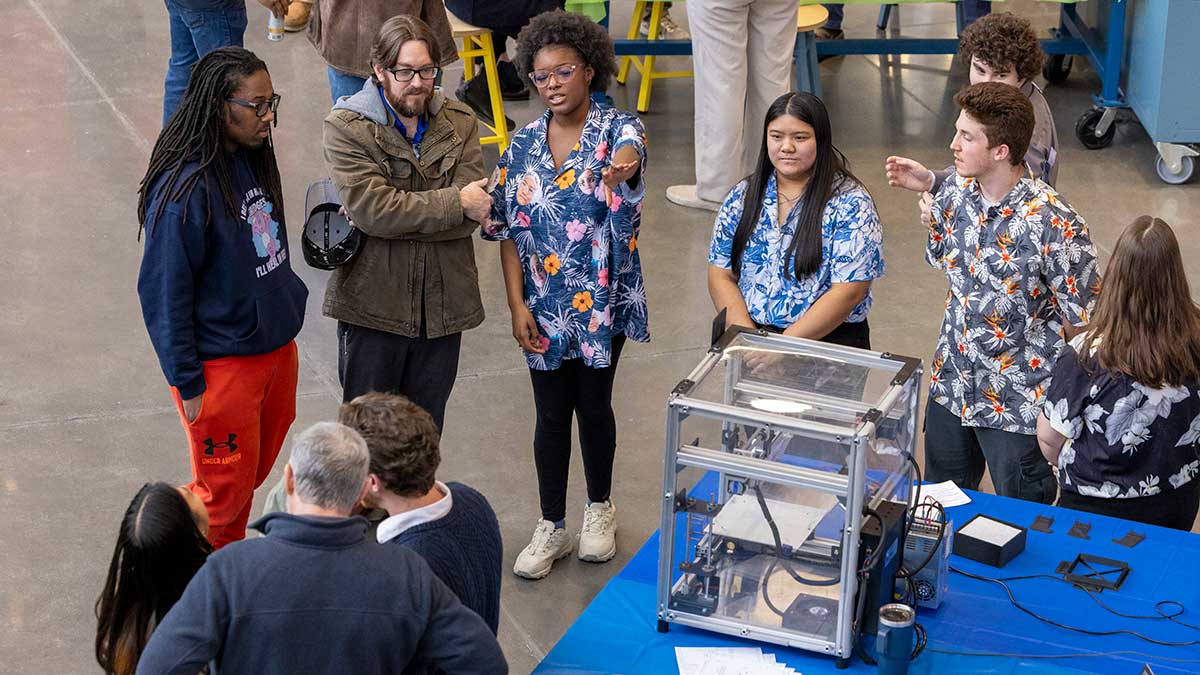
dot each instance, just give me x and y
(788, 474)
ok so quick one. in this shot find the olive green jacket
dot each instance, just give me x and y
(418, 256)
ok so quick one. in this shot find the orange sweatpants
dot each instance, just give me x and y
(248, 406)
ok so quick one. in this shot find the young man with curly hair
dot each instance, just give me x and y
(998, 48)
(566, 209)
(1022, 273)
(451, 525)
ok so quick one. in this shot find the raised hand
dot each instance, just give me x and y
(616, 173)
(909, 174)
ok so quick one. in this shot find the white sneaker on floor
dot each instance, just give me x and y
(685, 195)
(598, 538)
(549, 544)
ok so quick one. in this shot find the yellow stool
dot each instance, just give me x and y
(477, 43)
(645, 64)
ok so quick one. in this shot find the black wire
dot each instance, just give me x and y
(1159, 613)
(904, 572)
(922, 638)
(1079, 655)
(1120, 631)
(779, 557)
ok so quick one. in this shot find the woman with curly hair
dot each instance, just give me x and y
(998, 48)
(566, 209)
(1122, 414)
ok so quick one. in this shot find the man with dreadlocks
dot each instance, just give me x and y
(408, 166)
(218, 294)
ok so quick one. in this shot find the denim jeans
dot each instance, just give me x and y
(341, 84)
(197, 28)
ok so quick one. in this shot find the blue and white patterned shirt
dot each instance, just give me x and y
(577, 239)
(851, 250)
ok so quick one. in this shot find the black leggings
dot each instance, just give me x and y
(574, 389)
(1171, 508)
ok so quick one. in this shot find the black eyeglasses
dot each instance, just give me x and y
(563, 74)
(270, 105)
(406, 74)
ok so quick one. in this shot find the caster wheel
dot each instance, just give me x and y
(1186, 170)
(1085, 130)
(1057, 68)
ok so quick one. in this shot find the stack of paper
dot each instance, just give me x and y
(946, 493)
(728, 661)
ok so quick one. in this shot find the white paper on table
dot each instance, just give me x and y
(946, 493)
(728, 661)
(992, 531)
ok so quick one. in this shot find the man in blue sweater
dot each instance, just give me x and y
(314, 595)
(451, 525)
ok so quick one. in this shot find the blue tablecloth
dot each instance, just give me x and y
(617, 632)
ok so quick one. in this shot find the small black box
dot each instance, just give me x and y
(989, 541)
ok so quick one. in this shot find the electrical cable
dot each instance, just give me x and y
(1080, 655)
(1085, 631)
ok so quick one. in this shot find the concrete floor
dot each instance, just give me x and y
(85, 416)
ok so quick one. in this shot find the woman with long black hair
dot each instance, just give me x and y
(160, 546)
(798, 242)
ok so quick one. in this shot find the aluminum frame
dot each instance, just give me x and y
(722, 461)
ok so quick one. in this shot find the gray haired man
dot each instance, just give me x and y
(314, 595)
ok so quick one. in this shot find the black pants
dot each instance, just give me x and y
(420, 368)
(1171, 508)
(574, 389)
(959, 453)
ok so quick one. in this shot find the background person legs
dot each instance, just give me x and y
(597, 424)
(951, 450)
(771, 29)
(197, 28)
(554, 399)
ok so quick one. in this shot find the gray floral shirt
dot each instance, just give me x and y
(1124, 439)
(1016, 270)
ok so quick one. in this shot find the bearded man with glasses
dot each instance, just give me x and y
(409, 169)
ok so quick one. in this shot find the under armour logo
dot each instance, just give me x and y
(210, 447)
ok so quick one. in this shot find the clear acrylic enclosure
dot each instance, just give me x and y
(775, 447)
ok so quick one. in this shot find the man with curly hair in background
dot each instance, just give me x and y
(997, 48)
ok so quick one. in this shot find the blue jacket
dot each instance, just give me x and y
(216, 284)
(315, 596)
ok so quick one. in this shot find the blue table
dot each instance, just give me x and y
(617, 632)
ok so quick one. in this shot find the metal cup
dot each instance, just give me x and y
(894, 640)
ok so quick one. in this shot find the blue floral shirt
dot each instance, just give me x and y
(851, 250)
(577, 239)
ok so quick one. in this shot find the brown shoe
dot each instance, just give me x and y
(297, 16)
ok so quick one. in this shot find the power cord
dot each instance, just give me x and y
(1002, 582)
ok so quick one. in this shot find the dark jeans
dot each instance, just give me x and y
(958, 453)
(343, 84)
(197, 28)
(420, 368)
(574, 389)
(1171, 508)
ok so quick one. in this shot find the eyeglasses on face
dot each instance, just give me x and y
(270, 105)
(406, 74)
(563, 74)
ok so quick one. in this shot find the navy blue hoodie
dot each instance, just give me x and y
(216, 284)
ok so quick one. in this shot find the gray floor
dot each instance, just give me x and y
(85, 416)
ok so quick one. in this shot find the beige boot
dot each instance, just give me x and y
(297, 16)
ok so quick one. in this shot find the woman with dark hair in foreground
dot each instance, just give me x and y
(160, 546)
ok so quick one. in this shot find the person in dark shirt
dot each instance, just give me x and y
(314, 595)
(451, 525)
(219, 297)
(1122, 416)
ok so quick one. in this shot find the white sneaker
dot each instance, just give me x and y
(598, 539)
(549, 544)
(685, 195)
